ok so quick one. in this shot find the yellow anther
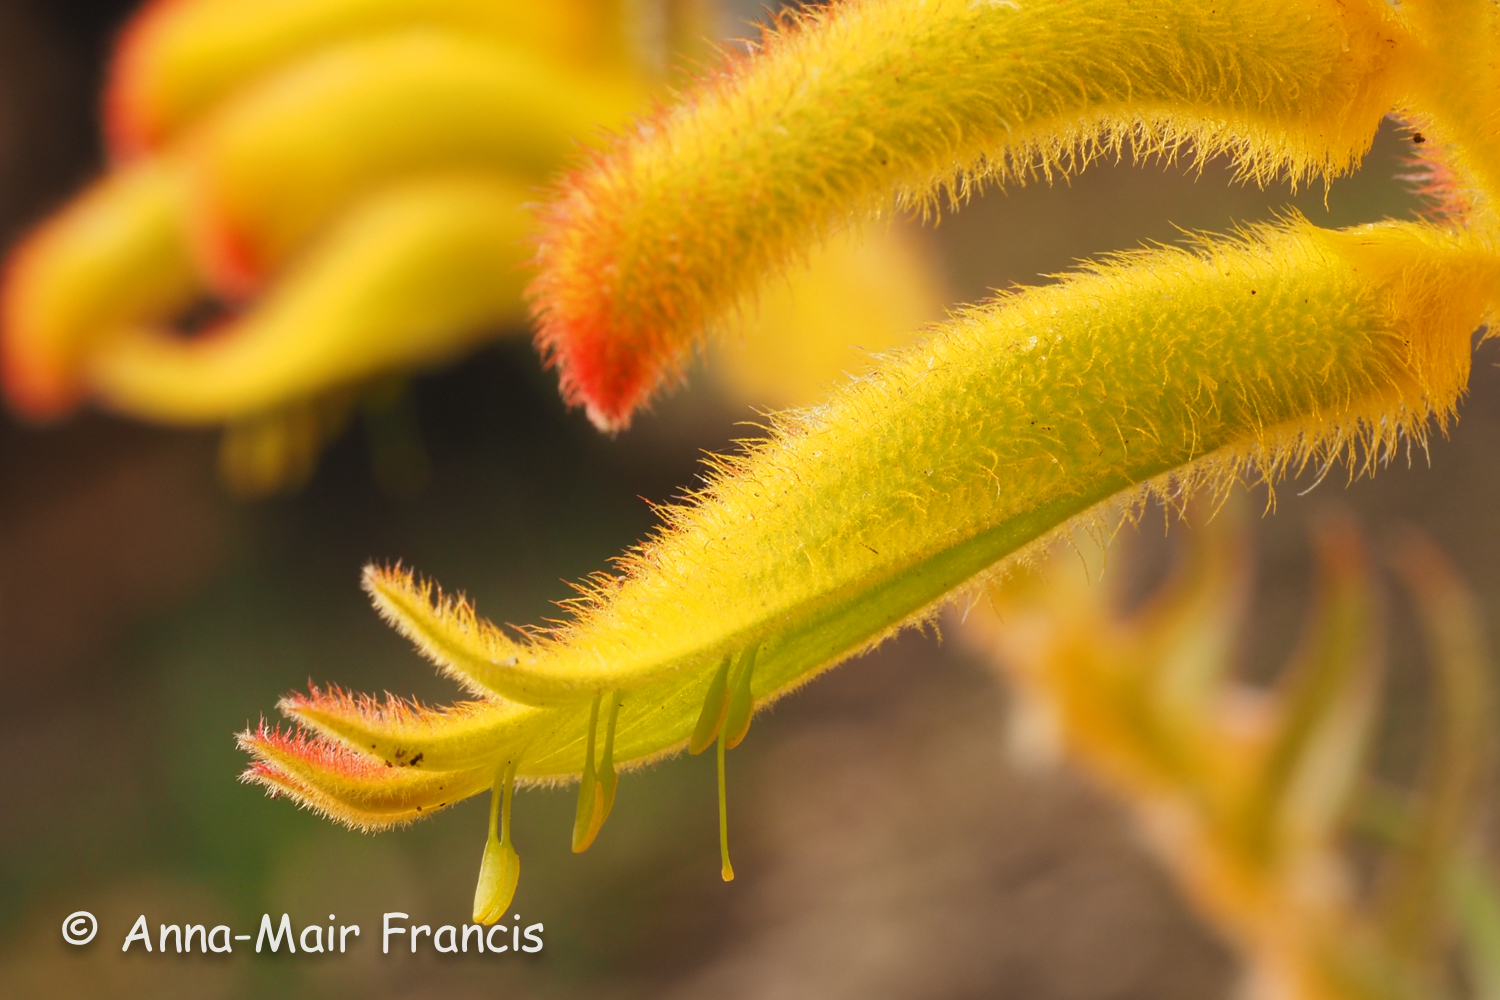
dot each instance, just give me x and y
(715, 704)
(501, 868)
(741, 701)
(608, 780)
(590, 815)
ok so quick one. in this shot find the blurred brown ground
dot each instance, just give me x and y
(885, 847)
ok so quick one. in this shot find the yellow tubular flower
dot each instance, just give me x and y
(855, 297)
(117, 256)
(849, 104)
(1163, 367)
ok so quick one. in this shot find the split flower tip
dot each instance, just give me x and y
(340, 782)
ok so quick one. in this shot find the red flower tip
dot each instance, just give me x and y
(612, 345)
(269, 743)
(37, 377)
(226, 255)
(130, 129)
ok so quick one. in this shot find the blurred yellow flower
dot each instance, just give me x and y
(309, 195)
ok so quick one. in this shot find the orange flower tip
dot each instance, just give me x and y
(610, 357)
(36, 391)
(335, 702)
(276, 781)
(39, 384)
(267, 743)
(130, 130)
(596, 372)
(231, 264)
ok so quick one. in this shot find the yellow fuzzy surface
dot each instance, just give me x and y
(1166, 366)
(862, 100)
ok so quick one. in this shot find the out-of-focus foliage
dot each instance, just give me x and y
(311, 198)
(1254, 796)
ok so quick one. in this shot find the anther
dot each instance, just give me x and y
(501, 868)
(590, 815)
(608, 780)
(741, 701)
(715, 704)
(726, 870)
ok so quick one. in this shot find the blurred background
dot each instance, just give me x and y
(883, 844)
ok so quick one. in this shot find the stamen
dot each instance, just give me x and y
(496, 791)
(741, 701)
(590, 815)
(715, 704)
(509, 780)
(501, 868)
(726, 870)
(608, 780)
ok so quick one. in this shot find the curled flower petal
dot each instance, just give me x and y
(346, 785)
(410, 279)
(401, 734)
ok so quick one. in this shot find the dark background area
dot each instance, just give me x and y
(884, 846)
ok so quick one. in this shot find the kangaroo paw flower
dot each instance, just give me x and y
(841, 109)
(313, 198)
(1013, 421)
